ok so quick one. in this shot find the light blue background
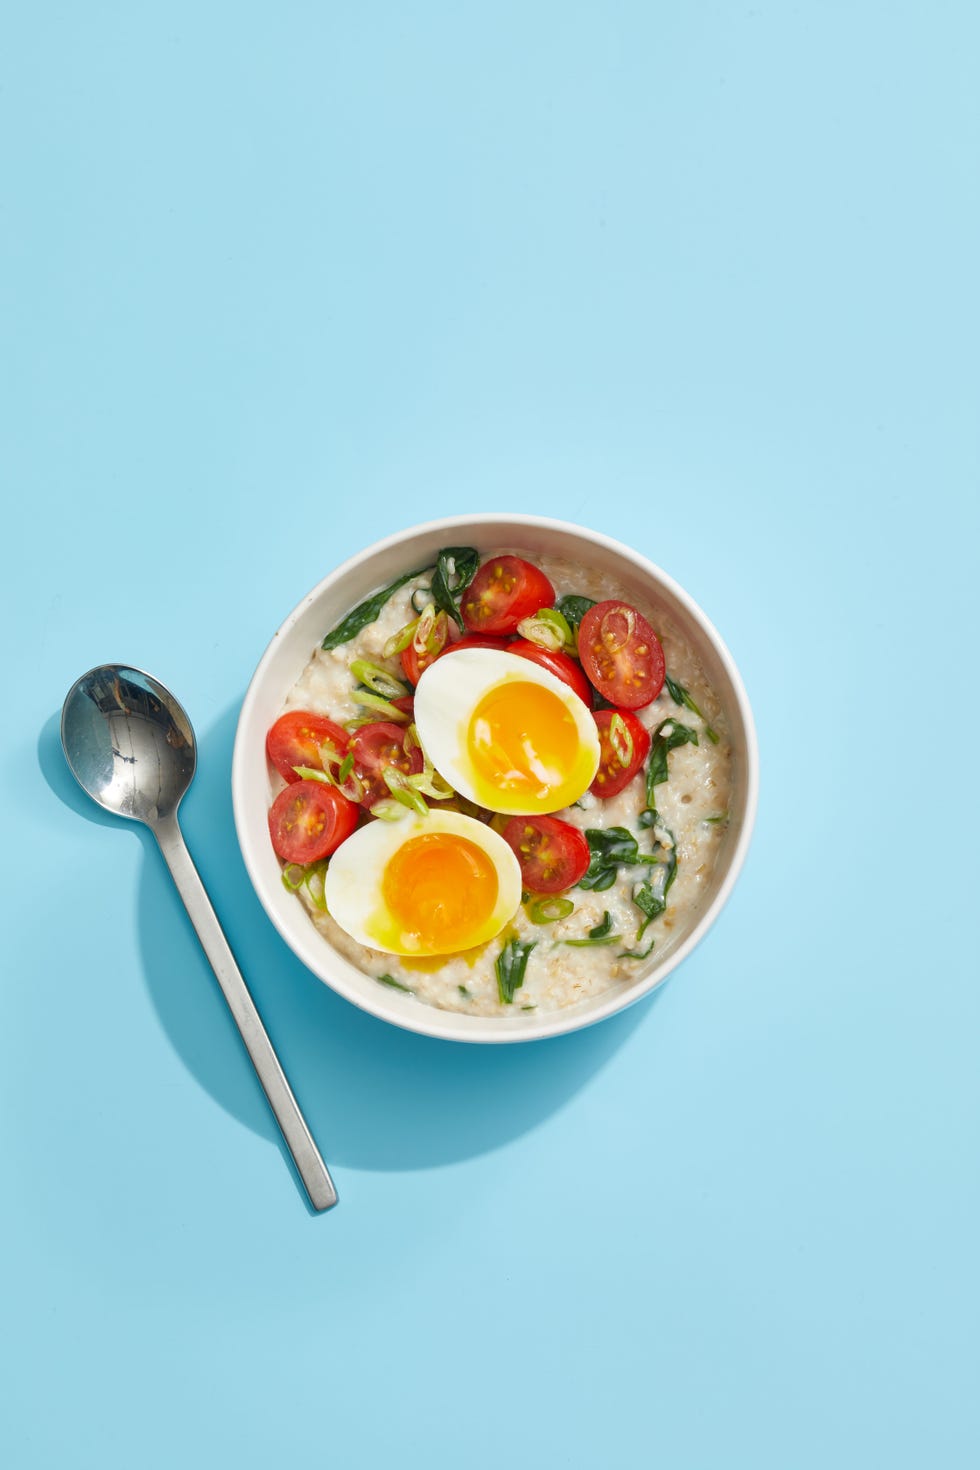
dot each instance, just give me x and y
(276, 279)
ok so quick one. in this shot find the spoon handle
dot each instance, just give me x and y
(306, 1156)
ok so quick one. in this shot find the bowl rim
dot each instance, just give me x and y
(405, 1011)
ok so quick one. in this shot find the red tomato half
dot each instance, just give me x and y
(413, 663)
(309, 820)
(621, 654)
(621, 754)
(376, 746)
(553, 854)
(295, 740)
(557, 663)
(505, 590)
(438, 642)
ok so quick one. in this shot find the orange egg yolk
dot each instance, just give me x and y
(523, 743)
(441, 890)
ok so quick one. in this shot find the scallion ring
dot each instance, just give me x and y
(386, 710)
(549, 910)
(621, 740)
(399, 641)
(377, 679)
(549, 629)
(388, 809)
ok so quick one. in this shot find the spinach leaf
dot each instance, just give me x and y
(365, 612)
(637, 954)
(455, 569)
(393, 983)
(599, 935)
(668, 735)
(682, 697)
(510, 965)
(609, 847)
(573, 609)
(650, 897)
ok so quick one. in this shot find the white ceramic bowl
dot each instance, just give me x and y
(287, 656)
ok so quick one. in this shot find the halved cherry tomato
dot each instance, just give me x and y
(376, 746)
(553, 854)
(438, 634)
(413, 663)
(622, 750)
(406, 703)
(557, 663)
(295, 740)
(309, 820)
(621, 654)
(505, 590)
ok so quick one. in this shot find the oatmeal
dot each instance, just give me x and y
(651, 845)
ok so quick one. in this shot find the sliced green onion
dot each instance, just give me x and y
(356, 721)
(431, 632)
(397, 783)
(377, 679)
(611, 628)
(343, 777)
(548, 629)
(549, 910)
(384, 708)
(311, 773)
(315, 886)
(621, 740)
(388, 809)
(296, 875)
(429, 782)
(420, 597)
(399, 641)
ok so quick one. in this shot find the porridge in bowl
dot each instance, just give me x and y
(501, 784)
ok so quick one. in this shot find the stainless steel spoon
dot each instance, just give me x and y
(131, 747)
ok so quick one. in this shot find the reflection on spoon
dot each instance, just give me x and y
(131, 747)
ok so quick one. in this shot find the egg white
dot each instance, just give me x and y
(447, 694)
(353, 886)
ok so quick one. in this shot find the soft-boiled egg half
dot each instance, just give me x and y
(505, 732)
(423, 885)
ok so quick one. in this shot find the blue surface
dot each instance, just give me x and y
(277, 279)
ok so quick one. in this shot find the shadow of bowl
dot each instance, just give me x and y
(375, 1096)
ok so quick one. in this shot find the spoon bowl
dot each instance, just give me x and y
(128, 742)
(130, 746)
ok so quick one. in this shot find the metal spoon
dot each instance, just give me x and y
(131, 747)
